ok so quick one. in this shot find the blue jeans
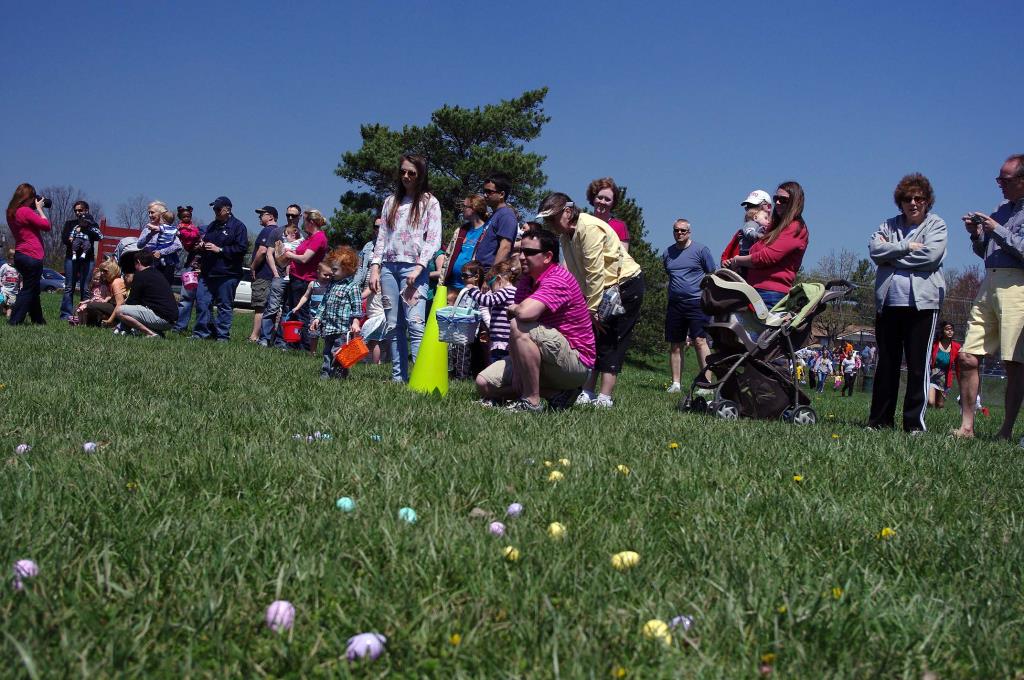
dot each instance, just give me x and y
(402, 318)
(273, 307)
(822, 378)
(219, 289)
(770, 297)
(188, 300)
(27, 303)
(77, 273)
(329, 369)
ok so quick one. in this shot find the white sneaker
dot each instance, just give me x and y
(673, 388)
(584, 399)
(603, 401)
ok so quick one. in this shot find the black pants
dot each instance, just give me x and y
(168, 271)
(27, 302)
(613, 339)
(294, 291)
(848, 381)
(902, 332)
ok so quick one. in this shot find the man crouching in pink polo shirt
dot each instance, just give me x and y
(551, 347)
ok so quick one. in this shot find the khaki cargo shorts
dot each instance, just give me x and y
(997, 317)
(560, 365)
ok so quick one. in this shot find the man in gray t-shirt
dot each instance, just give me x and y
(686, 263)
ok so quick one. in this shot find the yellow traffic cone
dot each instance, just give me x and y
(430, 372)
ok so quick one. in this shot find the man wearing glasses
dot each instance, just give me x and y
(997, 316)
(221, 252)
(496, 241)
(686, 263)
(267, 284)
(551, 344)
(79, 237)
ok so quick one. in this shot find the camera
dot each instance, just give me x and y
(977, 220)
(47, 203)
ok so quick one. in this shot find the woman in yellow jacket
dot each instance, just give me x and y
(594, 255)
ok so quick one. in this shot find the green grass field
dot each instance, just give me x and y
(159, 553)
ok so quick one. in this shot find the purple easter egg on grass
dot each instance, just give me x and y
(682, 621)
(24, 569)
(280, 615)
(365, 646)
(514, 510)
(89, 447)
(496, 529)
(22, 449)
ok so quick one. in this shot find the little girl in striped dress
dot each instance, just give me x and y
(501, 280)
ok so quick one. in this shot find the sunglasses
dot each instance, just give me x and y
(680, 231)
(914, 199)
(292, 217)
(781, 200)
(488, 192)
(409, 173)
(531, 251)
(1001, 181)
(468, 275)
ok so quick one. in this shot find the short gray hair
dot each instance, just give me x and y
(1019, 157)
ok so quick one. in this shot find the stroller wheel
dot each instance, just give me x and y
(803, 415)
(696, 405)
(726, 410)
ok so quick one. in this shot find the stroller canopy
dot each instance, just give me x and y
(725, 292)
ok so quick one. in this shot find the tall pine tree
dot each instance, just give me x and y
(462, 146)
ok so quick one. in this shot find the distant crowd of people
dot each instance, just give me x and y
(559, 293)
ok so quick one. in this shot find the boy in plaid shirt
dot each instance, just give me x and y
(341, 308)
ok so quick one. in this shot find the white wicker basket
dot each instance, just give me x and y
(457, 325)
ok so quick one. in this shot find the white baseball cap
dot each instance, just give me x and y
(757, 197)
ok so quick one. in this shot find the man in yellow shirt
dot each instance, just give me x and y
(594, 255)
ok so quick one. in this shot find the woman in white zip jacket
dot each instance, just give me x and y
(909, 286)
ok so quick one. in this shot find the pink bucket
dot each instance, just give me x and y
(190, 280)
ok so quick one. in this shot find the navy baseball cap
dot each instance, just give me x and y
(267, 209)
(220, 202)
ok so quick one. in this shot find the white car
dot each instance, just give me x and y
(243, 294)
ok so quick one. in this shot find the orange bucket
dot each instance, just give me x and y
(292, 330)
(352, 352)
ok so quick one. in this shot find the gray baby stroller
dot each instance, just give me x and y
(125, 251)
(752, 371)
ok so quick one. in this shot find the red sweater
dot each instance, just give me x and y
(954, 367)
(26, 226)
(188, 234)
(773, 266)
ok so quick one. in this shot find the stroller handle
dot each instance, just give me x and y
(837, 288)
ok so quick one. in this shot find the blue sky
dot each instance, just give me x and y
(689, 106)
